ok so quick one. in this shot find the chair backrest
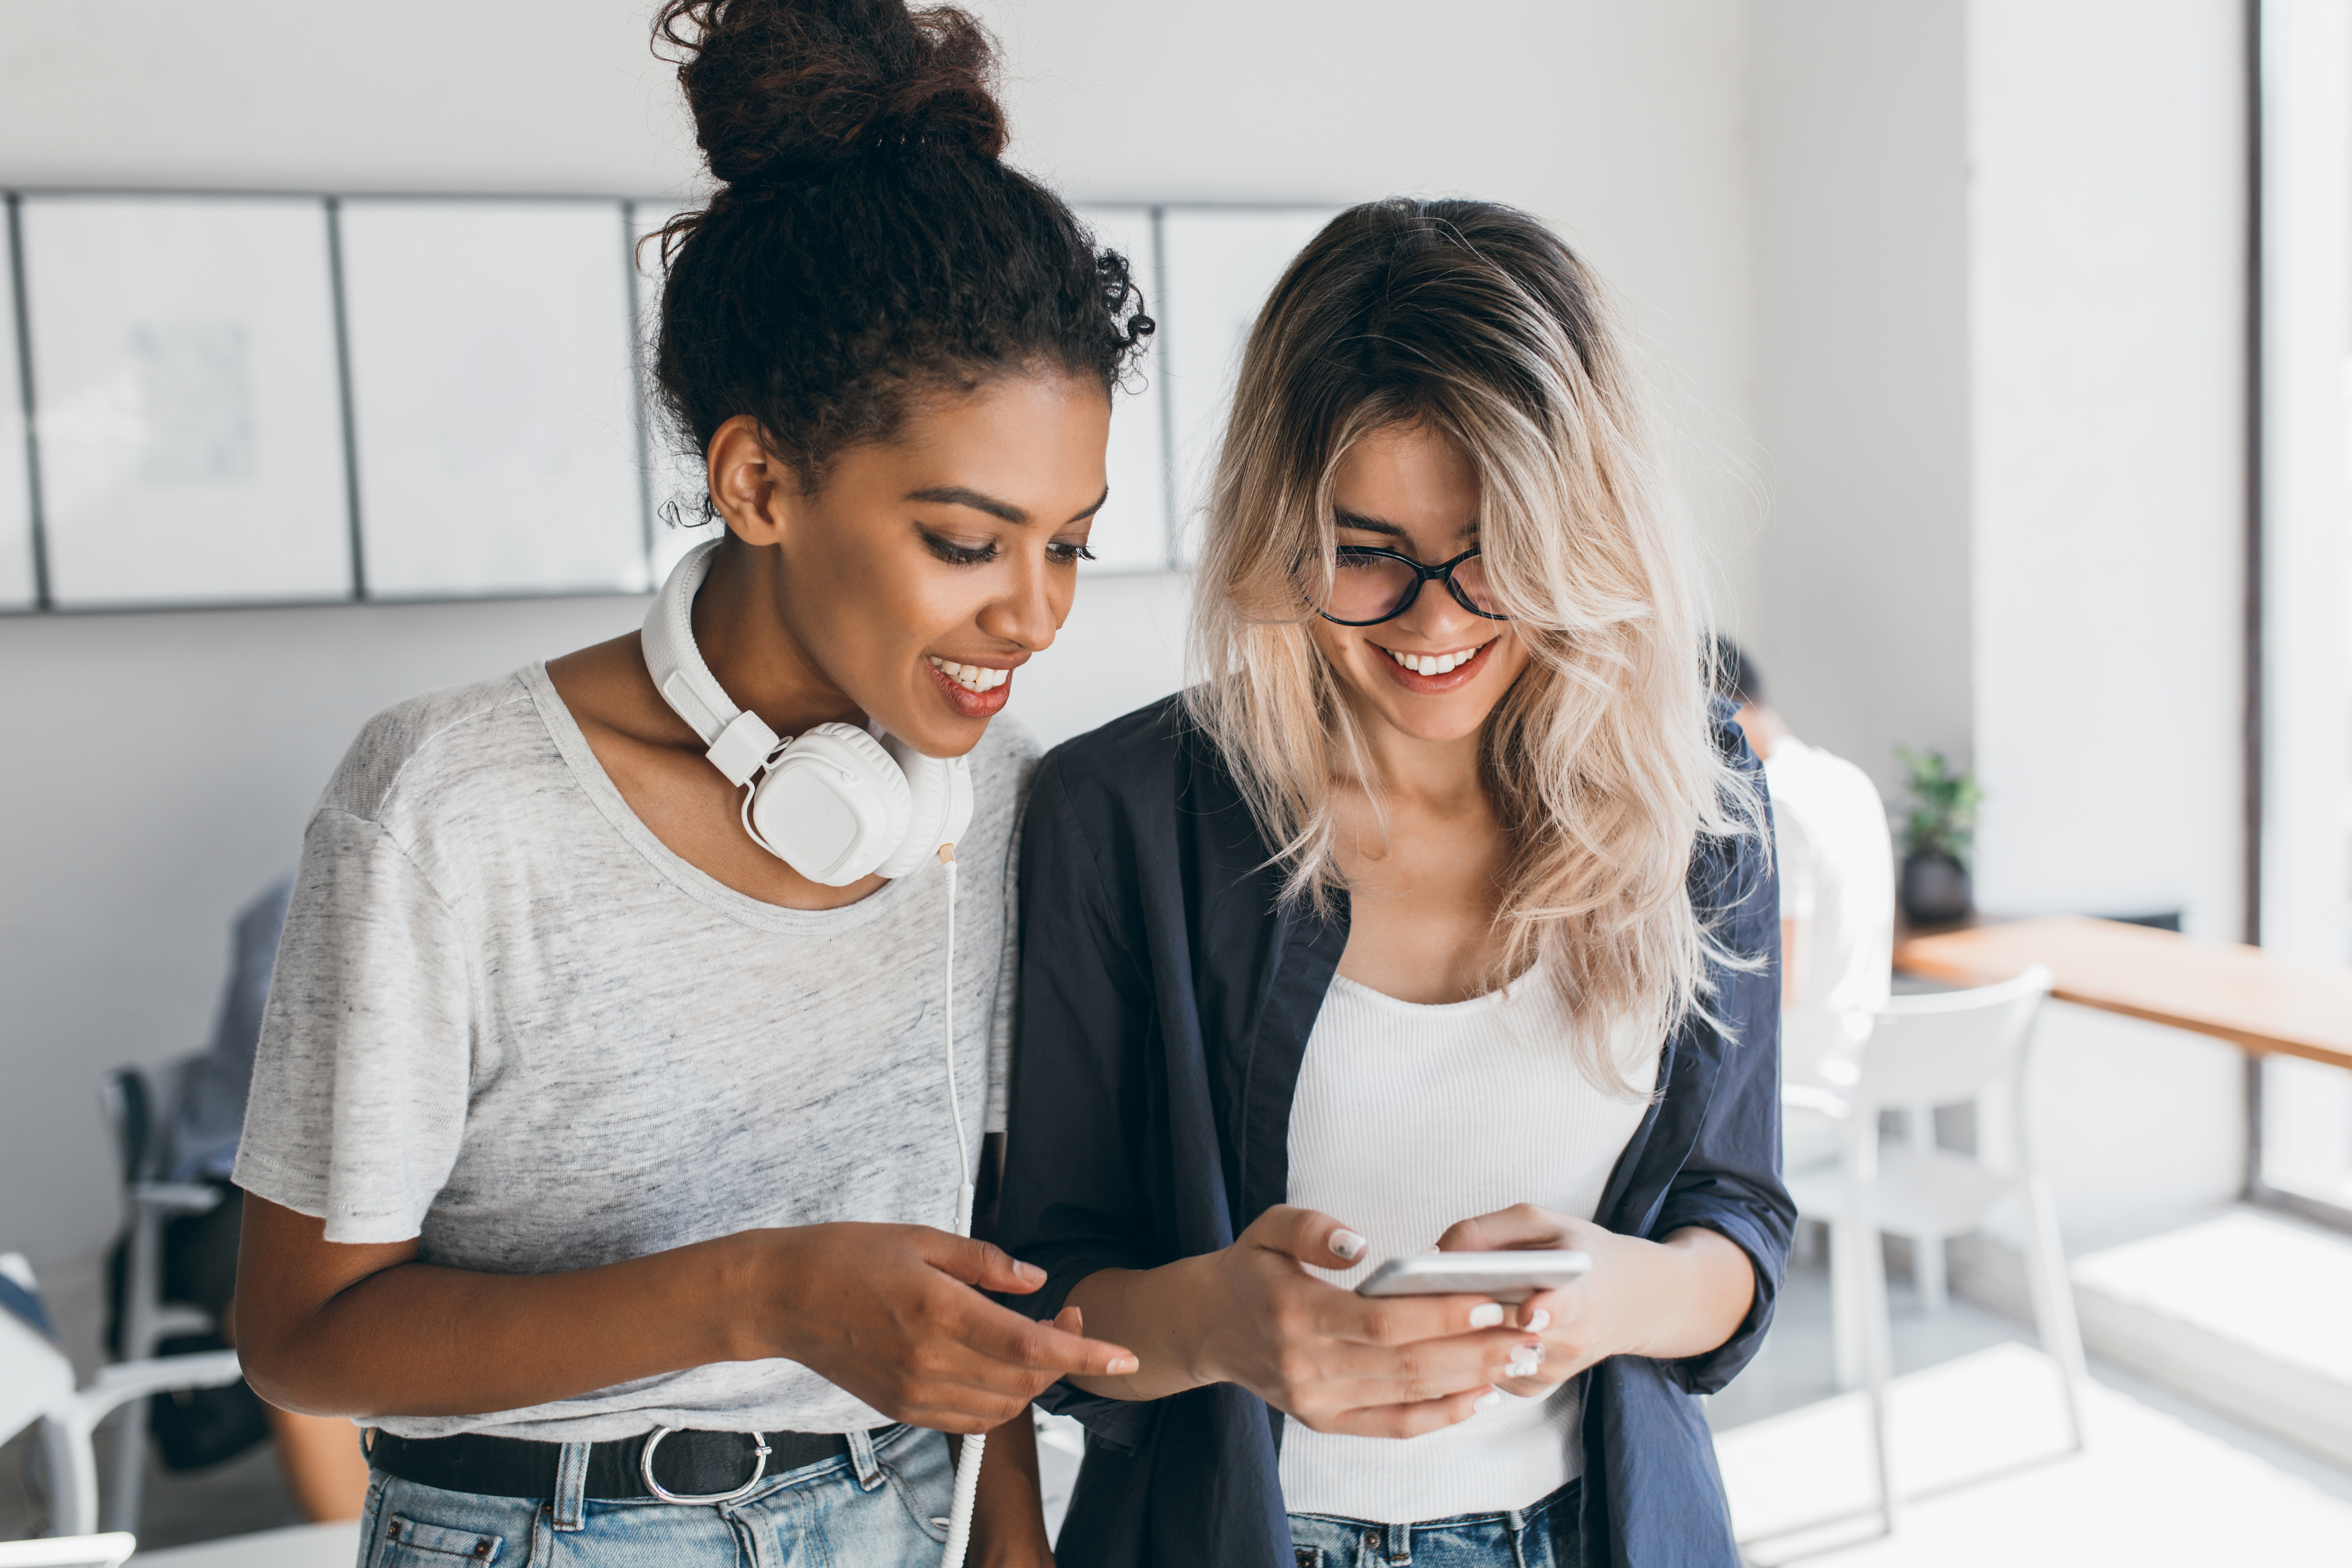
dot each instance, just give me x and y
(1951, 1046)
(130, 1116)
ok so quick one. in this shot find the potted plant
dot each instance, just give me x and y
(1936, 834)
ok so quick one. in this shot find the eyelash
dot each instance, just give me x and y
(956, 554)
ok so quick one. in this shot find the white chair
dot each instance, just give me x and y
(1949, 1048)
(36, 1385)
(139, 1106)
(67, 1551)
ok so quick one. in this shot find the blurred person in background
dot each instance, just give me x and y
(1837, 906)
(600, 1159)
(1438, 915)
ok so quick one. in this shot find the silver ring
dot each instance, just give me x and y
(759, 1471)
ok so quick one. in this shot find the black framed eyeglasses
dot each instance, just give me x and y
(1369, 586)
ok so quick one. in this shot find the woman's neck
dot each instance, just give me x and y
(1426, 858)
(740, 626)
(1407, 769)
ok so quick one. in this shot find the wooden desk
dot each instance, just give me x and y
(2240, 995)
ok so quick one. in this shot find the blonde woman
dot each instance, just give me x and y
(1437, 914)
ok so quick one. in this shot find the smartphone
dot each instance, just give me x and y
(1505, 1276)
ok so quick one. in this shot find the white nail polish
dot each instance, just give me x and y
(1521, 1369)
(1488, 1316)
(1348, 1245)
(1488, 1400)
(1539, 1321)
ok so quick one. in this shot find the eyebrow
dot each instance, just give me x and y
(1356, 519)
(958, 495)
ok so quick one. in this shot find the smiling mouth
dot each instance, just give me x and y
(973, 678)
(1436, 663)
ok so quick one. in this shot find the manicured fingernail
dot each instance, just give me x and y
(1120, 1365)
(1488, 1400)
(1486, 1315)
(1030, 1273)
(1521, 1369)
(1538, 1321)
(1346, 1244)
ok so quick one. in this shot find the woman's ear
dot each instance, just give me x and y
(752, 489)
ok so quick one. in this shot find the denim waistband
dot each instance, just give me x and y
(1541, 1535)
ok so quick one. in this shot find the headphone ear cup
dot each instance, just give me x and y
(834, 806)
(941, 788)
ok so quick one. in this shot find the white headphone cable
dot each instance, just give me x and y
(967, 1475)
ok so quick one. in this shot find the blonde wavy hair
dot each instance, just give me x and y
(1475, 320)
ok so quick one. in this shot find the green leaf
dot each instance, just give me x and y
(1942, 815)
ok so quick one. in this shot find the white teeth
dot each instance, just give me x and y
(971, 677)
(1433, 664)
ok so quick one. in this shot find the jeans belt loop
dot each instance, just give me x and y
(572, 1487)
(862, 1460)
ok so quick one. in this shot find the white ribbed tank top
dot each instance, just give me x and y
(1408, 1117)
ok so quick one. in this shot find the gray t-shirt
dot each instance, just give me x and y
(509, 1022)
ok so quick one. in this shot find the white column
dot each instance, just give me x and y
(2107, 243)
(2306, 277)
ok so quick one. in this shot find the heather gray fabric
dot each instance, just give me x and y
(509, 1022)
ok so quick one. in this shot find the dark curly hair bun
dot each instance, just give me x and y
(869, 242)
(780, 88)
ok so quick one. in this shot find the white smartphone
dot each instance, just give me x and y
(1505, 1276)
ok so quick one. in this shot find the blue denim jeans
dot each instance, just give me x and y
(1543, 1536)
(871, 1508)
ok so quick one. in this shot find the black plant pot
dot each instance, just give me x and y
(1936, 889)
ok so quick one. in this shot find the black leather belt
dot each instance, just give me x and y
(687, 1465)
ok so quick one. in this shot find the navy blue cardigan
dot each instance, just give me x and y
(1166, 997)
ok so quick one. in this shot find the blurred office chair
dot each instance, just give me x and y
(139, 1105)
(36, 1385)
(1950, 1048)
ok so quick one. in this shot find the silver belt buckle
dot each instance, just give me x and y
(760, 1451)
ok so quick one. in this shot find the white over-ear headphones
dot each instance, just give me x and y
(833, 803)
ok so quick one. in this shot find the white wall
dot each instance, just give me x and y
(126, 842)
(2000, 375)
(2139, 1128)
(1622, 126)
(1860, 621)
(2000, 318)
(537, 97)
(2106, 236)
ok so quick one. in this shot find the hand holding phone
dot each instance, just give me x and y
(1511, 1276)
(1331, 1358)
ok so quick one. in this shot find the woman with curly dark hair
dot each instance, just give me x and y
(618, 1109)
